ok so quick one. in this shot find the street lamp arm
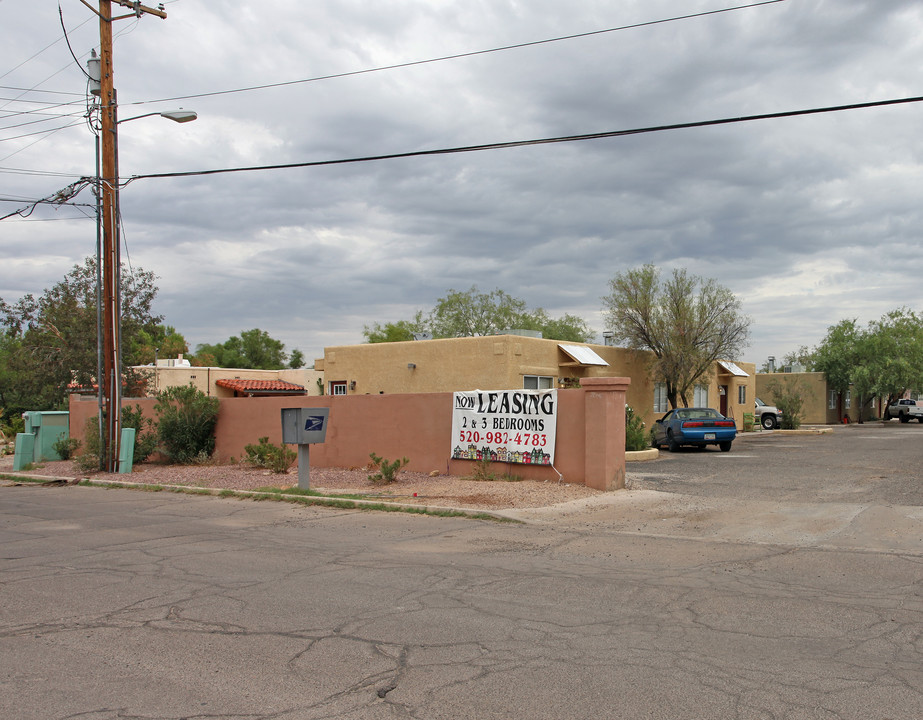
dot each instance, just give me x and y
(180, 116)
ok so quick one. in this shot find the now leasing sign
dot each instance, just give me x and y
(513, 426)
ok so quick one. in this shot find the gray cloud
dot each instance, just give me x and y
(809, 219)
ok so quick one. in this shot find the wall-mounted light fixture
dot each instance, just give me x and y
(352, 384)
(412, 366)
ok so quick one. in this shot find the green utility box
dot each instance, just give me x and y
(48, 427)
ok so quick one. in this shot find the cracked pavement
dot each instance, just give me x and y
(781, 580)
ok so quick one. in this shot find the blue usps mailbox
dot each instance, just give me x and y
(304, 427)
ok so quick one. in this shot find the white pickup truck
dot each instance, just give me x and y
(904, 410)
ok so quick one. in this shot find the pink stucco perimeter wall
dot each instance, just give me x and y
(590, 446)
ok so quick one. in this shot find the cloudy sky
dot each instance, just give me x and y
(808, 219)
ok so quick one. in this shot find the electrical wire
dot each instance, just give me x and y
(541, 141)
(68, 41)
(459, 56)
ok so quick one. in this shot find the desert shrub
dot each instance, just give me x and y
(88, 460)
(789, 398)
(277, 458)
(384, 471)
(635, 436)
(145, 433)
(186, 423)
(65, 447)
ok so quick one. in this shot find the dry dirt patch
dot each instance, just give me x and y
(410, 487)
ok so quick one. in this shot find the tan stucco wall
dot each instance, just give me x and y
(590, 445)
(204, 378)
(473, 363)
(499, 362)
(816, 395)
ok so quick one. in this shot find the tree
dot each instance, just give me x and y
(884, 359)
(252, 349)
(400, 331)
(296, 359)
(162, 341)
(472, 313)
(50, 342)
(686, 322)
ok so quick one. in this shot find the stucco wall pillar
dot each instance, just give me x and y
(605, 431)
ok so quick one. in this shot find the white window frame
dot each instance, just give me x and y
(700, 396)
(661, 403)
(338, 387)
(537, 382)
(831, 404)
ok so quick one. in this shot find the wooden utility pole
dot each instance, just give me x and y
(110, 384)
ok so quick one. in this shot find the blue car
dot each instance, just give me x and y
(694, 426)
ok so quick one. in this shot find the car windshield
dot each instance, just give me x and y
(698, 414)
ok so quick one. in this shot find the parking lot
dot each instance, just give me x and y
(872, 462)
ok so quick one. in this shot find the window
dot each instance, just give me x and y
(660, 397)
(831, 405)
(537, 382)
(847, 402)
(700, 396)
(741, 394)
(338, 387)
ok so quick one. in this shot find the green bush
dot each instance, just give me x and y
(88, 460)
(789, 398)
(145, 433)
(65, 447)
(186, 424)
(635, 436)
(385, 472)
(277, 458)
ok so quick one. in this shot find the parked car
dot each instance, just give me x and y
(694, 426)
(769, 416)
(904, 410)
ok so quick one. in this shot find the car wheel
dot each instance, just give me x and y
(725, 446)
(904, 418)
(769, 422)
(920, 419)
(671, 442)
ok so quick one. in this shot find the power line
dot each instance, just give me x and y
(459, 56)
(541, 141)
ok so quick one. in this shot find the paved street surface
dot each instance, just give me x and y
(780, 580)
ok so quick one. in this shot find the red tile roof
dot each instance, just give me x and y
(276, 387)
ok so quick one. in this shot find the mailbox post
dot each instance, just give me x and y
(304, 427)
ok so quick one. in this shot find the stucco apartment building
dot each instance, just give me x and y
(823, 405)
(495, 362)
(500, 362)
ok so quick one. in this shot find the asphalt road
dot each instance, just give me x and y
(768, 582)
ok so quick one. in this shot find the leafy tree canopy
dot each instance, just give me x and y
(686, 322)
(885, 358)
(50, 341)
(252, 349)
(472, 313)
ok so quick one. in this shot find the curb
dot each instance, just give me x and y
(641, 455)
(322, 500)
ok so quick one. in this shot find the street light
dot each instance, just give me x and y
(180, 116)
(108, 263)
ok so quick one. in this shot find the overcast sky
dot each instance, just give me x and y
(809, 220)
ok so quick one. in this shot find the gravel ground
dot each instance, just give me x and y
(410, 487)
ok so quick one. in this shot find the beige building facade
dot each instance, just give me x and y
(206, 379)
(823, 405)
(501, 362)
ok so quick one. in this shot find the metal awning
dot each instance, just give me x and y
(732, 368)
(581, 356)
